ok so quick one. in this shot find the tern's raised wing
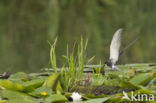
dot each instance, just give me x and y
(115, 46)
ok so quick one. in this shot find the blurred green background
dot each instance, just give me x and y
(26, 26)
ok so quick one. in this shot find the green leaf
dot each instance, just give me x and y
(98, 100)
(3, 101)
(33, 84)
(10, 85)
(90, 96)
(142, 79)
(18, 77)
(16, 97)
(126, 84)
(38, 92)
(53, 56)
(117, 100)
(51, 81)
(59, 89)
(56, 98)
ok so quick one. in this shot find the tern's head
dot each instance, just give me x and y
(108, 63)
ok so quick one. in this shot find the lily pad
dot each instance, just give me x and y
(142, 79)
(38, 92)
(56, 98)
(98, 100)
(126, 84)
(33, 84)
(10, 85)
(16, 97)
(18, 77)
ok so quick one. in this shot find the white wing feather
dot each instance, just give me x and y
(115, 46)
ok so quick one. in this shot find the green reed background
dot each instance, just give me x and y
(26, 27)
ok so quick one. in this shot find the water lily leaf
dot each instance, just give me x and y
(117, 100)
(56, 98)
(145, 91)
(153, 88)
(16, 97)
(6, 84)
(10, 85)
(90, 96)
(138, 65)
(142, 79)
(18, 77)
(33, 84)
(126, 84)
(3, 101)
(51, 81)
(38, 92)
(98, 100)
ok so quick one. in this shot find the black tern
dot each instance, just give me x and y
(115, 52)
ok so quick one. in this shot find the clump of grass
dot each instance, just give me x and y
(75, 61)
(53, 56)
(80, 54)
(75, 65)
(67, 74)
